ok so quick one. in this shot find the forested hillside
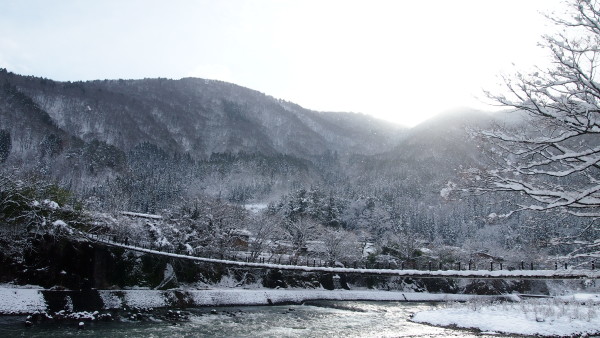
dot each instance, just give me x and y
(196, 151)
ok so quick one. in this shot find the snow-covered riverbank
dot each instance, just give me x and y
(21, 301)
(559, 316)
(575, 315)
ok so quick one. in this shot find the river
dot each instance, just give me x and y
(313, 319)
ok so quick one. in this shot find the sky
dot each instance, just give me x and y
(402, 61)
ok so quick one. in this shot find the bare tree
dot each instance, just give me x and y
(299, 232)
(555, 162)
(340, 244)
(264, 229)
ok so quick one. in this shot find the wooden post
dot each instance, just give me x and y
(531, 265)
(492, 266)
(565, 265)
(555, 265)
(593, 265)
(429, 265)
(458, 266)
(500, 266)
(522, 265)
(440, 266)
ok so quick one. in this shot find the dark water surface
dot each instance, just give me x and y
(314, 319)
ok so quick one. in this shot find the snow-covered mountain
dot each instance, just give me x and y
(158, 140)
(193, 116)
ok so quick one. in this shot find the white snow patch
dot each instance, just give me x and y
(582, 297)
(59, 223)
(62, 226)
(140, 215)
(144, 298)
(110, 300)
(447, 190)
(230, 296)
(540, 317)
(368, 249)
(262, 296)
(21, 301)
(50, 204)
(256, 207)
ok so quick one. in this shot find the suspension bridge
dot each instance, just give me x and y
(522, 273)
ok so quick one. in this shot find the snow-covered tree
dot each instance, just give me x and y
(264, 229)
(554, 160)
(340, 244)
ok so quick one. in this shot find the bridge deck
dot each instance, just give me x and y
(465, 274)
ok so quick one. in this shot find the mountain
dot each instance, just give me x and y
(430, 154)
(198, 117)
(140, 144)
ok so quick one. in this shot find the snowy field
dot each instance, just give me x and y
(562, 316)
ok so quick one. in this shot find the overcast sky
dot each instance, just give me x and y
(403, 61)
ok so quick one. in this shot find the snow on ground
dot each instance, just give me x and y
(110, 300)
(582, 297)
(15, 301)
(267, 296)
(140, 215)
(144, 298)
(547, 317)
(15, 286)
(256, 207)
(222, 297)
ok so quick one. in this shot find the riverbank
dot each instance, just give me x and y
(31, 300)
(563, 316)
(557, 316)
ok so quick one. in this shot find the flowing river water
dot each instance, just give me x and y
(313, 319)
